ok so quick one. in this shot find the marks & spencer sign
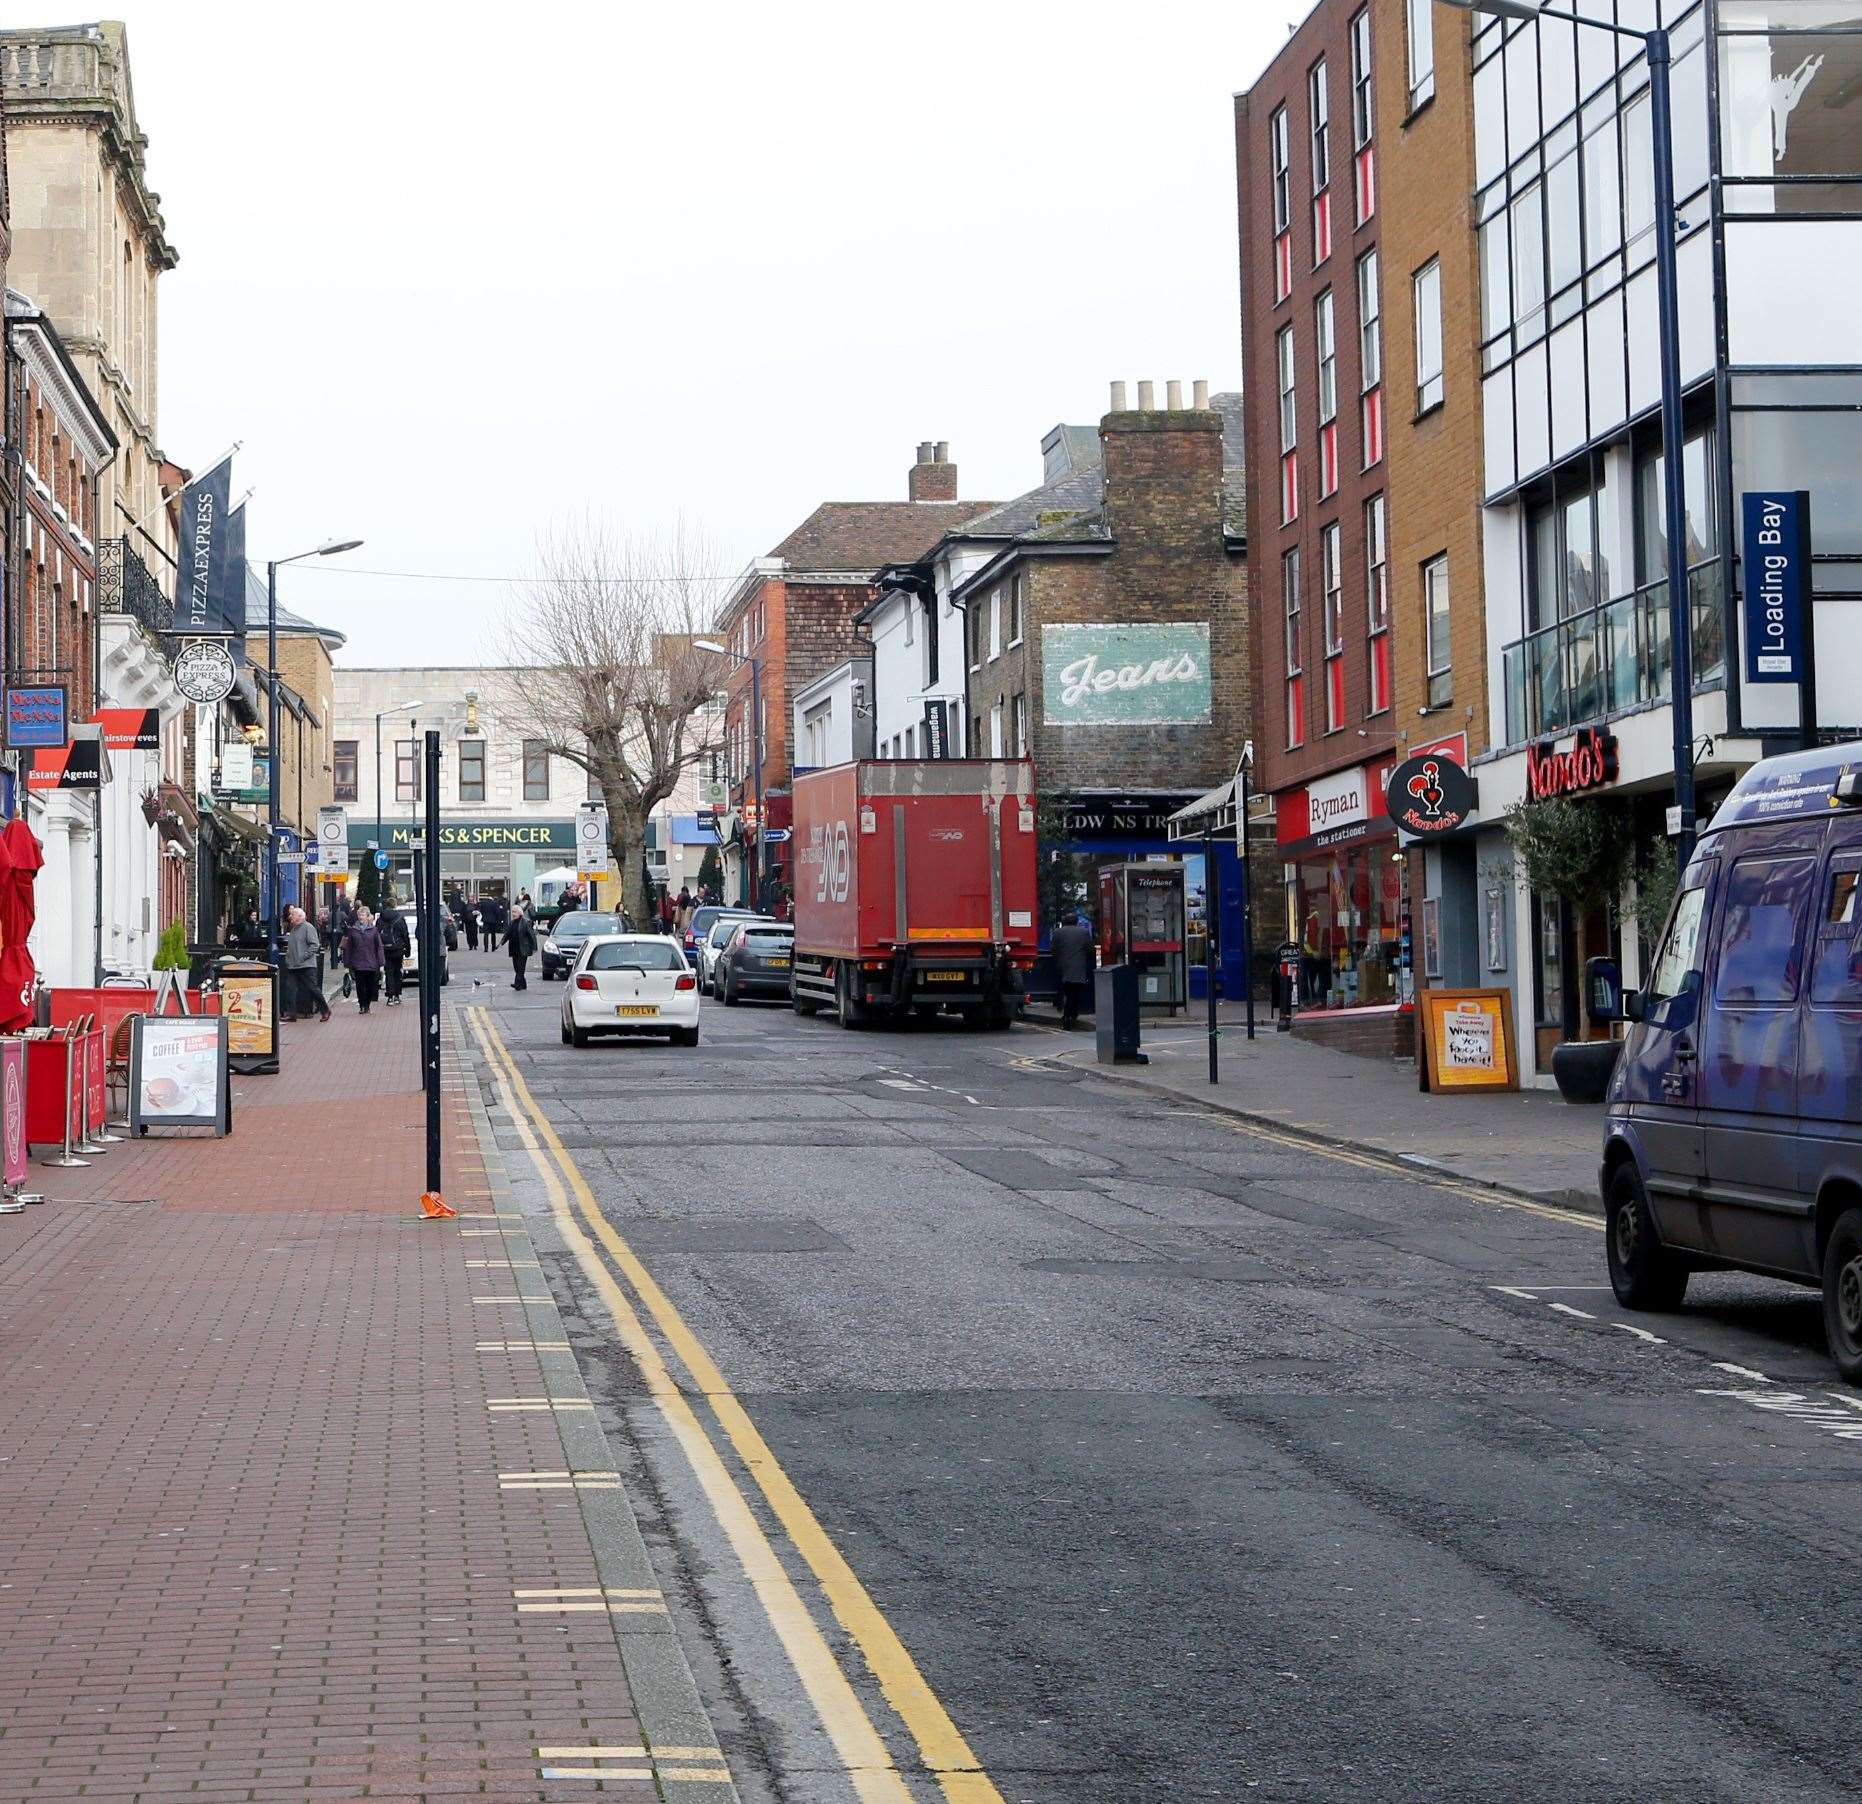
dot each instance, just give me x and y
(1136, 675)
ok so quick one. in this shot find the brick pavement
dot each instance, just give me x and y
(253, 1542)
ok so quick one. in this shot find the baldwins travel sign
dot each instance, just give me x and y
(1121, 676)
(1776, 573)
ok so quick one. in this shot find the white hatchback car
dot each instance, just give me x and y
(630, 983)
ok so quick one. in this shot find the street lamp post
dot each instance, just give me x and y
(755, 882)
(379, 718)
(1674, 499)
(327, 549)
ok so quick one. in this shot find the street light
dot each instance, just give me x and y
(396, 708)
(327, 549)
(755, 885)
(1680, 622)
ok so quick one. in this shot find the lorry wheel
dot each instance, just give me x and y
(1000, 1015)
(802, 1005)
(1643, 1273)
(924, 1011)
(848, 1010)
(1842, 1295)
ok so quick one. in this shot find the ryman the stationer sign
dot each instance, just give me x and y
(1136, 675)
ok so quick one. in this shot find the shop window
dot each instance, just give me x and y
(1548, 977)
(1377, 602)
(344, 770)
(1348, 921)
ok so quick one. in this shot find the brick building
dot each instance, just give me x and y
(1353, 156)
(791, 615)
(65, 443)
(1111, 644)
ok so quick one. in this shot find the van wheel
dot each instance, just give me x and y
(1643, 1273)
(1842, 1295)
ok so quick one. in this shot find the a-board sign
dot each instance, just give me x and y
(1467, 1039)
(249, 1000)
(178, 1073)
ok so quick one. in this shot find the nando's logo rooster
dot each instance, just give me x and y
(1429, 795)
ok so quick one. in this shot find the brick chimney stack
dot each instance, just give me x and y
(1163, 468)
(933, 477)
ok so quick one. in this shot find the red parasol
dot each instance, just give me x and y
(20, 859)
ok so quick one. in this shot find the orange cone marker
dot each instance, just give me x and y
(433, 1208)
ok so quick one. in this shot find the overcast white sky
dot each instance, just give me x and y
(449, 272)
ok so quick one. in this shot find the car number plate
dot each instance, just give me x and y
(947, 977)
(636, 1008)
(777, 963)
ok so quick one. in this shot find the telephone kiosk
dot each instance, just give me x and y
(1141, 924)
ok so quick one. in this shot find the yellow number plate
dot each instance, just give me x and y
(947, 977)
(783, 963)
(636, 1008)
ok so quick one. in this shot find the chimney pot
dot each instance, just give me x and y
(943, 451)
(1118, 398)
(1173, 396)
(1147, 397)
(924, 451)
(1199, 394)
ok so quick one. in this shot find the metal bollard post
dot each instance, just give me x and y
(66, 1158)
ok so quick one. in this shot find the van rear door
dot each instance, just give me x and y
(1749, 1053)
(1661, 1062)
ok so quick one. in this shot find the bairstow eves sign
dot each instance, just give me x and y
(1136, 675)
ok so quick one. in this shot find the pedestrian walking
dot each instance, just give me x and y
(1072, 947)
(363, 958)
(491, 911)
(302, 949)
(468, 917)
(521, 941)
(396, 944)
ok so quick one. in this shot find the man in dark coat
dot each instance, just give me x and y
(1072, 947)
(520, 939)
(468, 916)
(396, 944)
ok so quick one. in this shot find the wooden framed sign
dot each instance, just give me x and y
(178, 1073)
(1467, 1040)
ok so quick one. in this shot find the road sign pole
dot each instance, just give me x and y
(434, 944)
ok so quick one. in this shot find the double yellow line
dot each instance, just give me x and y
(870, 1767)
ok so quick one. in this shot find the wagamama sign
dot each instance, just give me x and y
(1137, 675)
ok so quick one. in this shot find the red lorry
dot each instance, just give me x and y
(914, 888)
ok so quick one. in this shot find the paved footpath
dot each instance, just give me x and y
(297, 1498)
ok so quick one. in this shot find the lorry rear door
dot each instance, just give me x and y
(943, 848)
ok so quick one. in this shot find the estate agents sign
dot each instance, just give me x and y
(1143, 674)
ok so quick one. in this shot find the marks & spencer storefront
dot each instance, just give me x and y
(477, 857)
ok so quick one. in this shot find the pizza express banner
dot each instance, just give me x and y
(208, 603)
(1150, 674)
(467, 836)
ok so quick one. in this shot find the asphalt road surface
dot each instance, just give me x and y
(1193, 1462)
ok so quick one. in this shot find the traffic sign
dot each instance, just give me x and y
(381, 861)
(776, 836)
(290, 857)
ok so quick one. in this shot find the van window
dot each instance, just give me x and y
(1682, 952)
(1836, 974)
(1761, 932)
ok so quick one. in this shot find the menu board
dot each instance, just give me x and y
(1467, 1040)
(249, 1001)
(178, 1073)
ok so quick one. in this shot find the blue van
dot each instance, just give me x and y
(1734, 1126)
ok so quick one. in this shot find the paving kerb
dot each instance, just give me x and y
(667, 1704)
(1081, 1060)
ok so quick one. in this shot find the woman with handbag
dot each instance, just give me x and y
(363, 956)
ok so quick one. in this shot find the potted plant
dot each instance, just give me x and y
(1580, 852)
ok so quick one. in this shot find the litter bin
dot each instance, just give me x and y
(1115, 1018)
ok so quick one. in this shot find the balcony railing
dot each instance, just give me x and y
(1608, 659)
(125, 586)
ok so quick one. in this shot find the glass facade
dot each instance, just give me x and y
(1347, 908)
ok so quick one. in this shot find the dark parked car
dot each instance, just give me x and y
(1733, 1138)
(755, 962)
(561, 944)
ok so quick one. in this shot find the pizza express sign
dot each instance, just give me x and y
(1590, 763)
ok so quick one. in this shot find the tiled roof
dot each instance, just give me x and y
(862, 535)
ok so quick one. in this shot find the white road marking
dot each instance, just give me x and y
(1721, 1365)
(1840, 1424)
(1654, 1340)
(1508, 1290)
(1566, 1309)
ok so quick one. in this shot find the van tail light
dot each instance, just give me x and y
(687, 982)
(585, 983)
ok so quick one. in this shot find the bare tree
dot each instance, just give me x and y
(601, 667)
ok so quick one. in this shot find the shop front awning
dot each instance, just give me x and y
(1212, 812)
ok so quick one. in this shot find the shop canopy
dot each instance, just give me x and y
(1212, 812)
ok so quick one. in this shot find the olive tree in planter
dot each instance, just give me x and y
(1580, 852)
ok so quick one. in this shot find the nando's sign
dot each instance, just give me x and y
(1590, 763)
